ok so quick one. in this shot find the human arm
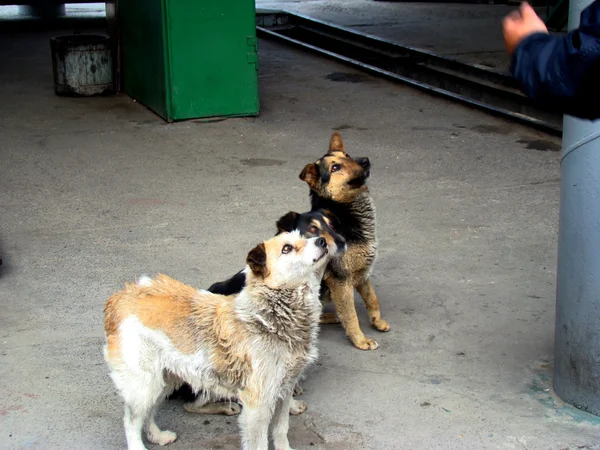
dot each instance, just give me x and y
(561, 72)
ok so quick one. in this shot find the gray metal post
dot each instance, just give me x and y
(577, 336)
(43, 9)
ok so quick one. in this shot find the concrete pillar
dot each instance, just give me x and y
(577, 336)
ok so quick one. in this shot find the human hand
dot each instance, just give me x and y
(520, 24)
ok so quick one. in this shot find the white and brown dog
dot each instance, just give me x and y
(254, 346)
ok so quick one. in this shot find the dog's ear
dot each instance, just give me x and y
(287, 222)
(310, 174)
(257, 260)
(336, 144)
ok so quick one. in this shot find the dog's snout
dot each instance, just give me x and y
(364, 162)
(321, 242)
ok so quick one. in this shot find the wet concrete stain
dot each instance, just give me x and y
(210, 120)
(541, 390)
(261, 162)
(491, 129)
(540, 144)
(145, 201)
(551, 181)
(345, 77)
(321, 432)
(345, 126)
(306, 430)
(430, 128)
(224, 442)
(151, 202)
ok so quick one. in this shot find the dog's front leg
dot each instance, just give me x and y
(342, 294)
(281, 423)
(254, 421)
(200, 406)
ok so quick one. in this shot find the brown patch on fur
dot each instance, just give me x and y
(165, 305)
(300, 246)
(188, 318)
(357, 261)
(113, 347)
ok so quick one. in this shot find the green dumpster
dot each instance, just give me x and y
(188, 59)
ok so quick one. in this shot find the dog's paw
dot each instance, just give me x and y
(298, 390)
(233, 410)
(162, 438)
(365, 344)
(381, 325)
(297, 407)
(330, 317)
(281, 443)
(135, 446)
(225, 408)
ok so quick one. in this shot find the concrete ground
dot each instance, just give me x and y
(94, 192)
(471, 33)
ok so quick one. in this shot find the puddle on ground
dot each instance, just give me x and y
(261, 162)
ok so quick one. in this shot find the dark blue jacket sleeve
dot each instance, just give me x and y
(563, 72)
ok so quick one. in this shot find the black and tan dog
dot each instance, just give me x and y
(338, 184)
(340, 201)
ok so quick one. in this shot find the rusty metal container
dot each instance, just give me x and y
(82, 65)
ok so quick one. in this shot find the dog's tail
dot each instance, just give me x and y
(144, 280)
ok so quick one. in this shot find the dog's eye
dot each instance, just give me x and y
(286, 249)
(313, 229)
(336, 167)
